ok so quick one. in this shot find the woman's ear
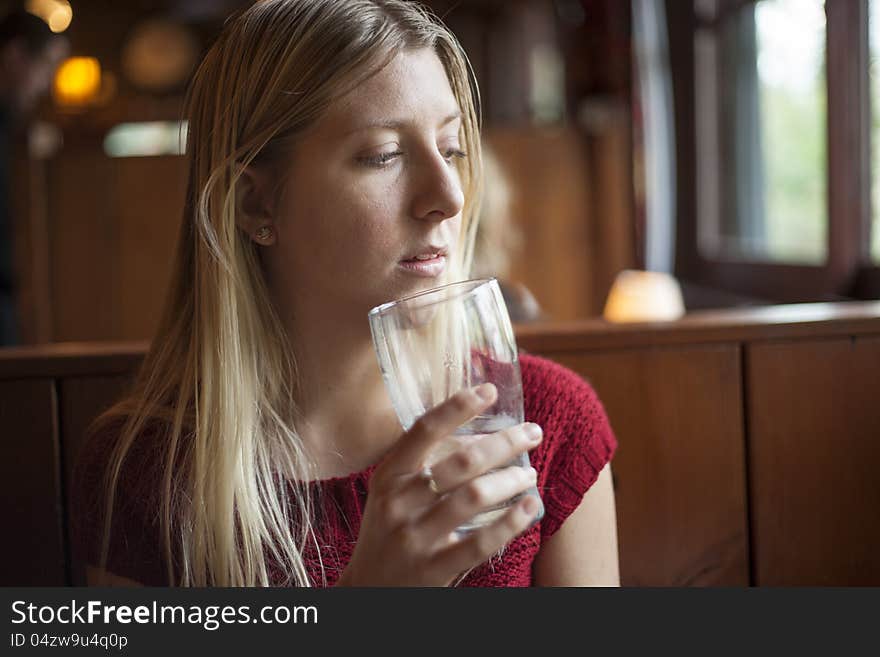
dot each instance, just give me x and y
(255, 205)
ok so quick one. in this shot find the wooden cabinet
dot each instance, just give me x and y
(680, 467)
(749, 443)
(814, 460)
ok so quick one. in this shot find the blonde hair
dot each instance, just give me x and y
(220, 378)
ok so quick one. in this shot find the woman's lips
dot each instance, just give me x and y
(428, 268)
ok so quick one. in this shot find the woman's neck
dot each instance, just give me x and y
(346, 418)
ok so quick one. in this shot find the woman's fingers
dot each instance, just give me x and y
(463, 476)
(490, 452)
(438, 423)
(412, 496)
(408, 531)
(477, 546)
(478, 495)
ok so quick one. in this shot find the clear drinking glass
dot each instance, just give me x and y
(434, 343)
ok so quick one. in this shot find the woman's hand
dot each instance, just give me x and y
(407, 535)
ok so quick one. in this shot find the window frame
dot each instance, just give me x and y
(848, 271)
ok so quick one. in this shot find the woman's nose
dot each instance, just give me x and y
(438, 190)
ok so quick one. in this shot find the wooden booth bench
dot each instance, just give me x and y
(749, 443)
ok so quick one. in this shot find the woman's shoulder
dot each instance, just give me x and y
(554, 392)
(104, 437)
(578, 440)
(137, 472)
(134, 541)
(566, 406)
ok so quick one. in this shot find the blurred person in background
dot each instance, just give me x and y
(499, 240)
(29, 55)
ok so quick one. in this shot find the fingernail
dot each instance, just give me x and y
(533, 432)
(486, 392)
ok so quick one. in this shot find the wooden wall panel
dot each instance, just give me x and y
(83, 247)
(680, 468)
(31, 552)
(814, 449)
(148, 226)
(612, 226)
(548, 173)
(29, 212)
(112, 242)
(82, 399)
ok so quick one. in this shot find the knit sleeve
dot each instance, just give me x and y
(578, 440)
(134, 550)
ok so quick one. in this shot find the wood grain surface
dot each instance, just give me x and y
(814, 452)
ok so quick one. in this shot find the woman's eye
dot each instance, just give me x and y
(383, 159)
(379, 160)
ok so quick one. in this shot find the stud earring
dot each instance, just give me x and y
(264, 234)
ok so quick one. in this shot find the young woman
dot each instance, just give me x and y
(331, 143)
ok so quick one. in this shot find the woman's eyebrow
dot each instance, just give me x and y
(396, 124)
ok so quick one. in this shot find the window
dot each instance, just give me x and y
(777, 105)
(760, 79)
(874, 51)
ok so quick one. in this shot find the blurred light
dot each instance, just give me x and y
(159, 55)
(108, 89)
(44, 140)
(77, 82)
(60, 18)
(643, 296)
(547, 75)
(146, 139)
(56, 13)
(41, 8)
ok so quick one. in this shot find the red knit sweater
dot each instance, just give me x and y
(577, 444)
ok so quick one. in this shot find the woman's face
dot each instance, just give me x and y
(369, 186)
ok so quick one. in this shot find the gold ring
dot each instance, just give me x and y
(429, 477)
